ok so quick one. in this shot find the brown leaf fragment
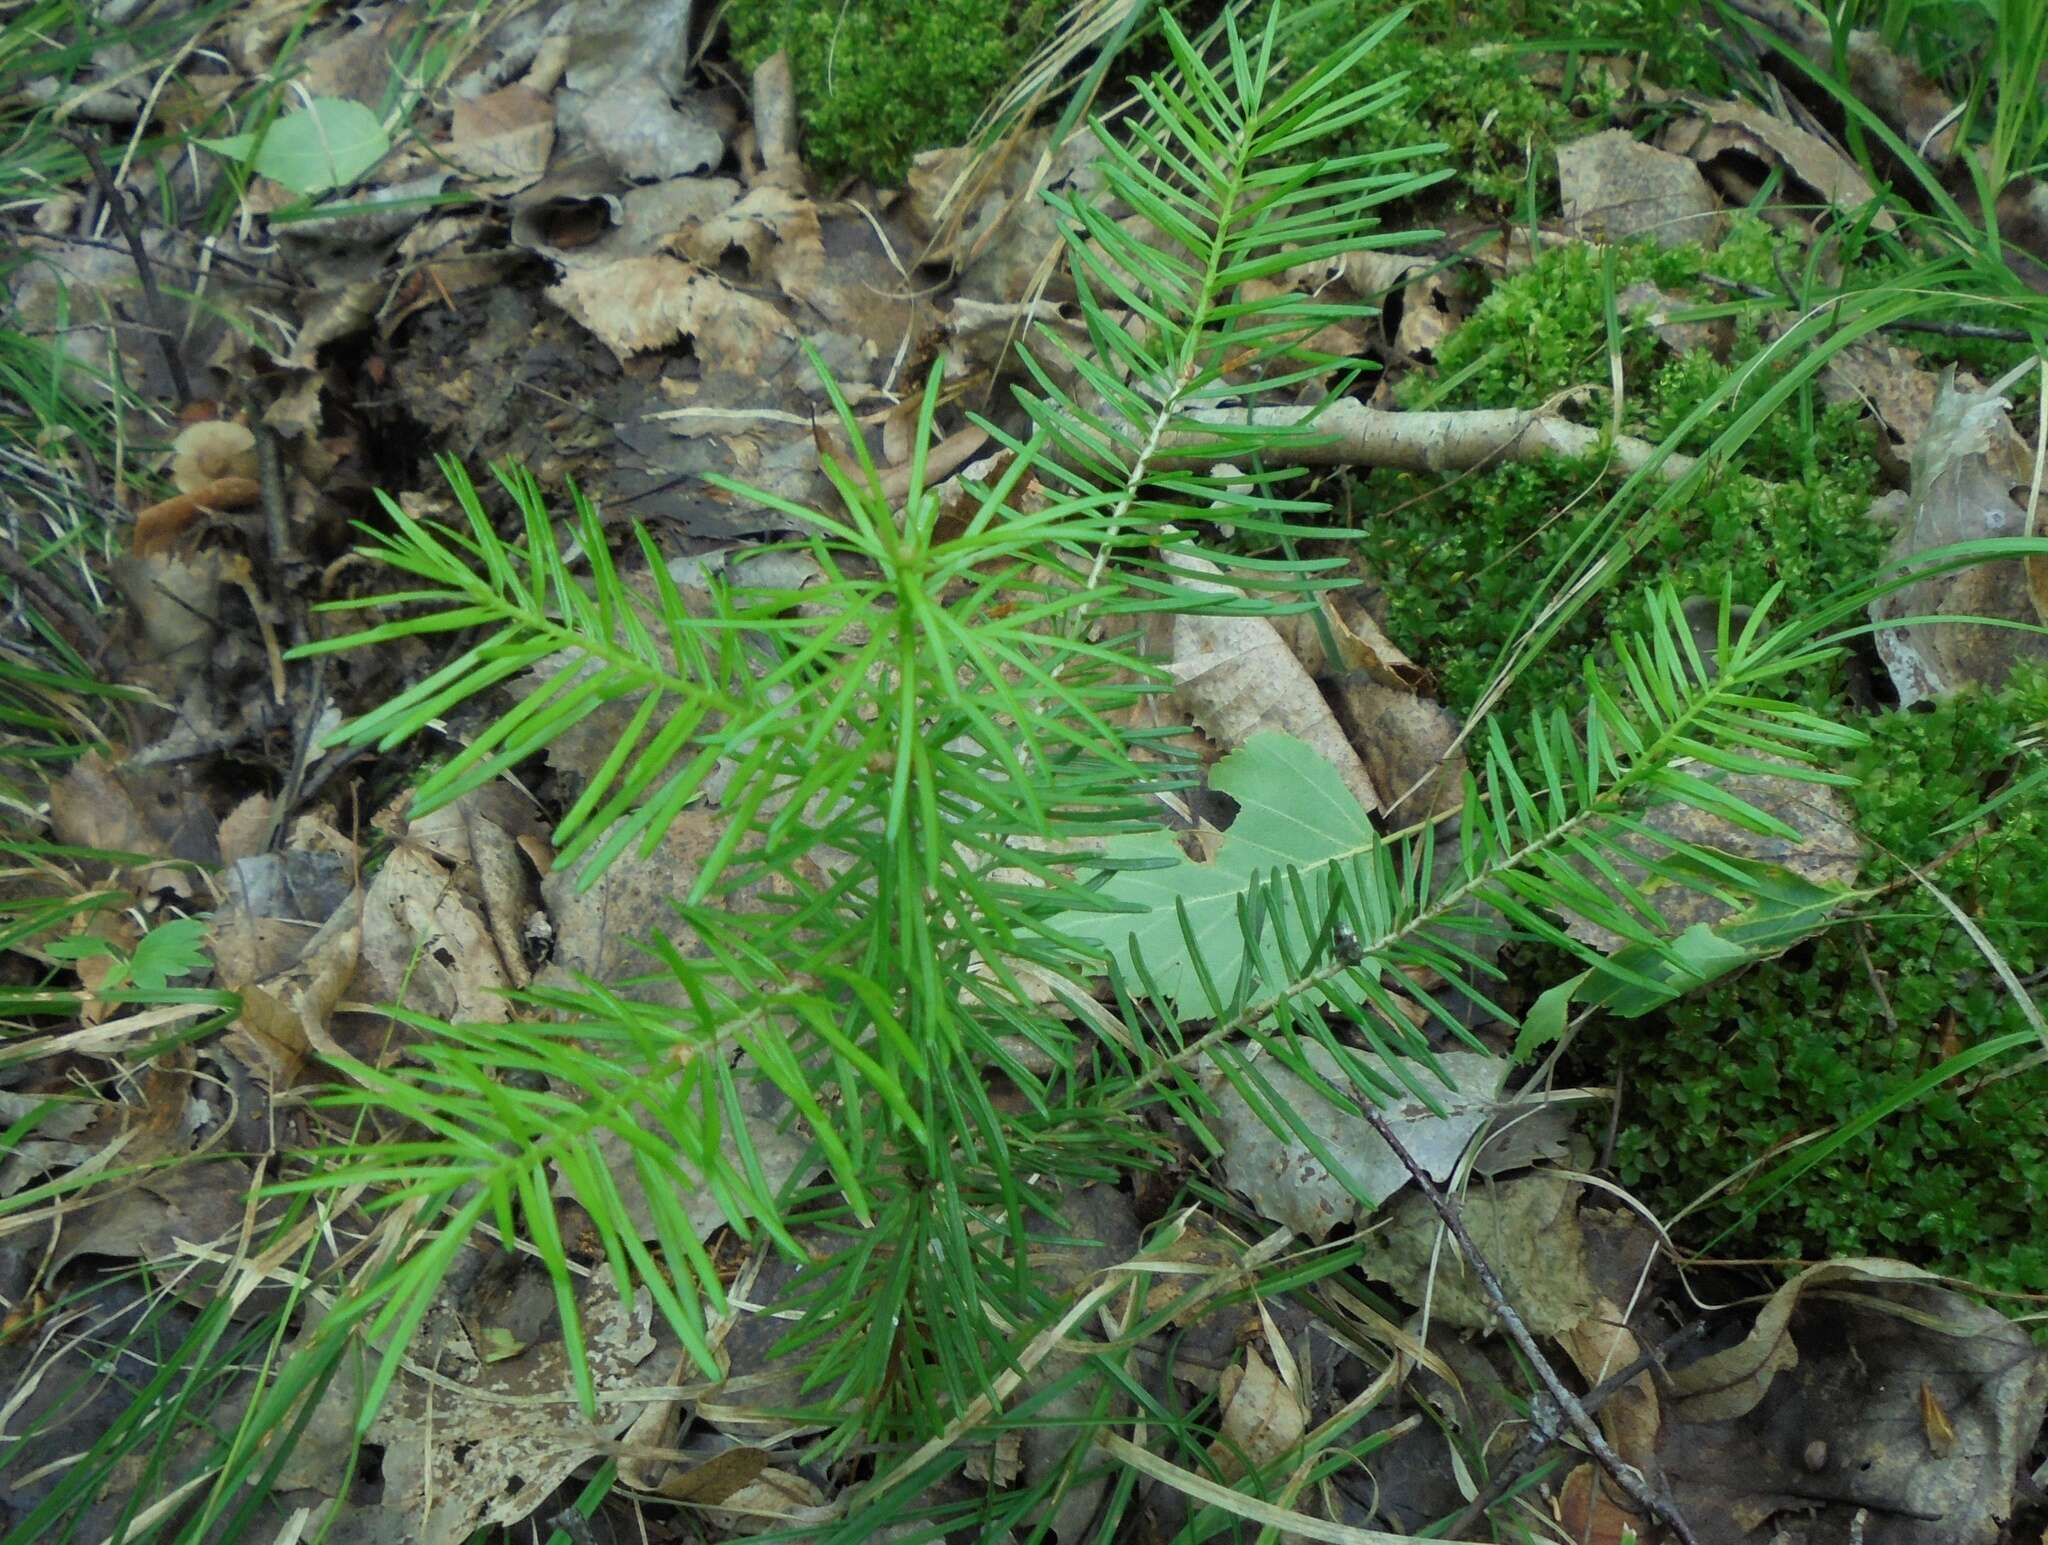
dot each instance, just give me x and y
(718, 1479)
(1590, 1515)
(1653, 308)
(1934, 1422)
(1749, 131)
(290, 978)
(90, 807)
(1892, 87)
(478, 835)
(1000, 1462)
(245, 830)
(487, 1448)
(1206, 1250)
(505, 136)
(1430, 309)
(1601, 1345)
(1236, 676)
(1527, 1228)
(177, 607)
(643, 130)
(1362, 645)
(195, 1202)
(1263, 1420)
(425, 944)
(1971, 477)
(1893, 385)
(776, 1500)
(337, 312)
(775, 121)
(1287, 1181)
(1409, 744)
(1614, 188)
(1864, 1388)
(643, 303)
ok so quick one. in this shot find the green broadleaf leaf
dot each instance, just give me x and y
(236, 147)
(327, 144)
(1787, 907)
(1293, 813)
(169, 950)
(1548, 1015)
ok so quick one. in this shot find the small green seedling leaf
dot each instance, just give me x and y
(327, 144)
(1548, 1016)
(169, 950)
(84, 946)
(236, 147)
(172, 950)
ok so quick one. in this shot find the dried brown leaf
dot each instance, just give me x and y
(643, 303)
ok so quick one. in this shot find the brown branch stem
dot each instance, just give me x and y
(1541, 1439)
(1576, 1416)
(116, 200)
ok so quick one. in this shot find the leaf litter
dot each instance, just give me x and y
(627, 314)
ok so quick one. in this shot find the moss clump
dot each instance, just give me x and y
(879, 80)
(1468, 77)
(1958, 1181)
(1462, 557)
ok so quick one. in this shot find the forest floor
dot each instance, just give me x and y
(1690, 1188)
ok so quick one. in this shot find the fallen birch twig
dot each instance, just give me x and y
(1351, 434)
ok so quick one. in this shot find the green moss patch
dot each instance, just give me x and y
(1469, 79)
(879, 80)
(1958, 1180)
(1462, 557)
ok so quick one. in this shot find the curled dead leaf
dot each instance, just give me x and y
(1263, 1420)
(505, 136)
(643, 303)
(1971, 480)
(1726, 137)
(1614, 187)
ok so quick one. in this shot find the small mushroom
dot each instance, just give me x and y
(210, 450)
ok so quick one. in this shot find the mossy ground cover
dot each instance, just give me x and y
(1788, 1050)
(1958, 1180)
(1779, 1052)
(1472, 86)
(879, 80)
(1461, 558)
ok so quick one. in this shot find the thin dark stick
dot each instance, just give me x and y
(276, 531)
(252, 273)
(293, 793)
(159, 313)
(1586, 1429)
(86, 638)
(1542, 1438)
(1939, 329)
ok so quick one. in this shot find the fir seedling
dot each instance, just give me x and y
(921, 760)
